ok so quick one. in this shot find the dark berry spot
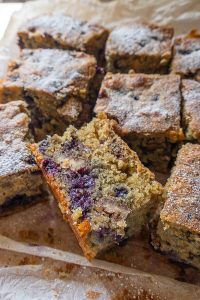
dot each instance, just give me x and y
(189, 216)
(81, 198)
(121, 191)
(69, 145)
(43, 146)
(142, 43)
(184, 51)
(32, 29)
(21, 43)
(155, 98)
(30, 160)
(99, 70)
(136, 98)
(50, 166)
(103, 94)
(47, 35)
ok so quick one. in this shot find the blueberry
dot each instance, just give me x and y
(121, 191)
(43, 146)
(81, 198)
(69, 145)
(50, 166)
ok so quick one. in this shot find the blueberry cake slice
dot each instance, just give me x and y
(59, 87)
(178, 231)
(20, 179)
(191, 109)
(148, 110)
(103, 190)
(186, 56)
(64, 32)
(142, 47)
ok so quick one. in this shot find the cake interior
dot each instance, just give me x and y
(179, 244)
(103, 183)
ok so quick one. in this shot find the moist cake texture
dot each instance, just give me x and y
(58, 86)
(145, 48)
(191, 109)
(178, 231)
(65, 32)
(20, 178)
(102, 188)
(147, 108)
(186, 56)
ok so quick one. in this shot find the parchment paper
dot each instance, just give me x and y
(39, 255)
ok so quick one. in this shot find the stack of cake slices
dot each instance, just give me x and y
(108, 110)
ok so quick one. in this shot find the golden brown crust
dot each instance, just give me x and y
(82, 229)
(182, 206)
(191, 108)
(142, 104)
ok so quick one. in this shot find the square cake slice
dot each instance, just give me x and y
(20, 179)
(191, 109)
(147, 108)
(58, 86)
(142, 47)
(186, 56)
(178, 231)
(64, 32)
(103, 190)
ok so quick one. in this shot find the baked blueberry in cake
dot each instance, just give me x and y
(148, 110)
(102, 189)
(59, 87)
(20, 179)
(142, 47)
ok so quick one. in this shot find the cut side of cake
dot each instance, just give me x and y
(178, 230)
(191, 109)
(103, 190)
(20, 179)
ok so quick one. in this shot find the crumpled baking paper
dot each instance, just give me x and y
(39, 255)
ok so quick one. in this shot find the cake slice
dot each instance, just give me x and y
(178, 231)
(20, 179)
(148, 110)
(59, 87)
(186, 56)
(191, 109)
(64, 32)
(103, 190)
(139, 46)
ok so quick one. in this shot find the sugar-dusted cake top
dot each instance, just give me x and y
(70, 32)
(145, 104)
(14, 135)
(53, 71)
(140, 39)
(191, 107)
(182, 206)
(186, 61)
